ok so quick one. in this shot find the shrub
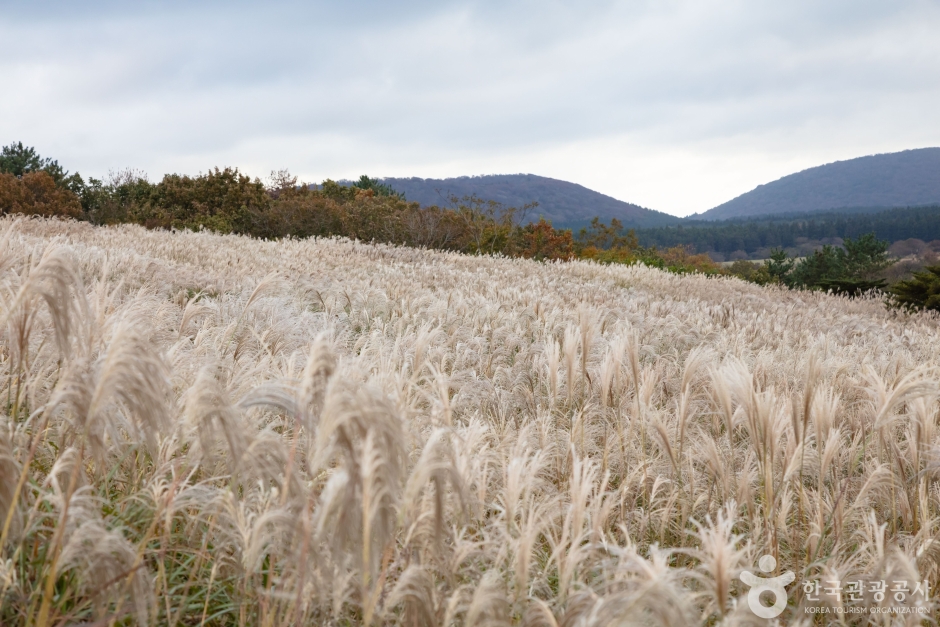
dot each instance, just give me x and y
(922, 291)
(19, 160)
(779, 266)
(125, 197)
(539, 240)
(683, 259)
(220, 200)
(851, 270)
(823, 264)
(603, 237)
(298, 213)
(378, 187)
(36, 193)
(864, 257)
(750, 271)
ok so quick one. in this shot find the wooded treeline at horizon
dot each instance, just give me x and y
(228, 201)
(798, 234)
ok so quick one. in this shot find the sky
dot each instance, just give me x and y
(675, 105)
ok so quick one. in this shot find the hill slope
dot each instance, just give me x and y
(898, 179)
(320, 409)
(564, 203)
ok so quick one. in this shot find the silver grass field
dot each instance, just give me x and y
(212, 430)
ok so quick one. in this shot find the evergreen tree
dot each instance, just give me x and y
(864, 257)
(824, 264)
(380, 188)
(779, 266)
(852, 270)
(19, 160)
(922, 291)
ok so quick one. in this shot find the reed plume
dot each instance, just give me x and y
(213, 430)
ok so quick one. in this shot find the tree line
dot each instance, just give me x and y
(789, 232)
(227, 201)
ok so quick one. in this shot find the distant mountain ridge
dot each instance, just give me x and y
(910, 178)
(899, 179)
(565, 204)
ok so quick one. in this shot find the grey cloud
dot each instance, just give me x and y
(106, 82)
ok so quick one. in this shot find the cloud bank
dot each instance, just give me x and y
(674, 105)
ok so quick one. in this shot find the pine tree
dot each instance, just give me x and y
(922, 291)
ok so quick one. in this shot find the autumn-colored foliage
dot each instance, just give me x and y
(220, 200)
(36, 193)
(227, 201)
(682, 257)
(539, 240)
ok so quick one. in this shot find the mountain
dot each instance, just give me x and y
(565, 204)
(897, 179)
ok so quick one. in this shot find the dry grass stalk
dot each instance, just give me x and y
(212, 430)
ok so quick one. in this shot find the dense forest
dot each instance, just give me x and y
(799, 235)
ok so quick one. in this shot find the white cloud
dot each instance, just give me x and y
(676, 105)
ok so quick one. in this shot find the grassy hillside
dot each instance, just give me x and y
(212, 429)
(565, 204)
(900, 179)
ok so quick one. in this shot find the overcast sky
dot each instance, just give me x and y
(675, 105)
